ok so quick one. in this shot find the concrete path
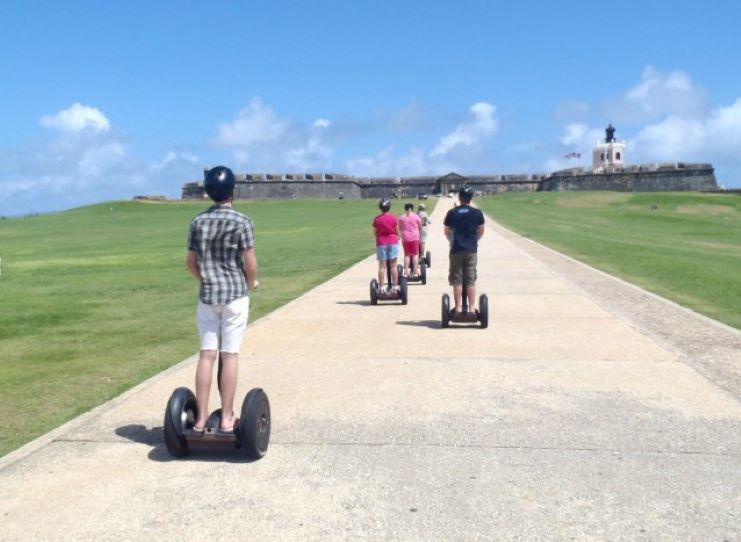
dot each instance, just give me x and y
(589, 409)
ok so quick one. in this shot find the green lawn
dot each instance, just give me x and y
(97, 299)
(688, 249)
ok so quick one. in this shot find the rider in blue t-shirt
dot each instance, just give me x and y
(464, 226)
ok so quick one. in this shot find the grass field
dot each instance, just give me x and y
(683, 246)
(97, 299)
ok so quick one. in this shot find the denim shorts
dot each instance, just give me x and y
(387, 252)
(222, 327)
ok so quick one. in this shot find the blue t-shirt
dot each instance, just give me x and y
(463, 221)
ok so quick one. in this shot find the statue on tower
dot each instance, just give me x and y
(609, 133)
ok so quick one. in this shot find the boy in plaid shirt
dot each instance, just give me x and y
(221, 255)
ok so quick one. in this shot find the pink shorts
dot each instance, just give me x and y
(411, 248)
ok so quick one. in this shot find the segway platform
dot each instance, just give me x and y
(251, 431)
(420, 277)
(386, 293)
(480, 316)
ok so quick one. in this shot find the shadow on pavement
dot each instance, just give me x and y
(432, 324)
(363, 303)
(154, 437)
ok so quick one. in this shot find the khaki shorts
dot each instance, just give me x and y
(222, 327)
(462, 270)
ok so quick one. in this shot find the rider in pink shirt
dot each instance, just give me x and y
(410, 226)
(386, 229)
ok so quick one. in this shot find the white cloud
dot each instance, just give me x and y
(260, 140)
(574, 134)
(77, 118)
(471, 133)
(312, 155)
(96, 160)
(173, 157)
(388, 164)
(84, 163)
(657, 95)
(414, 117)
(254, 124)
(676, 138)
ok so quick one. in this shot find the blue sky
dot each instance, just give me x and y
(104, 100)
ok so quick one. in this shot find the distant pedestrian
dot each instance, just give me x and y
(386, 230)
(410, 226)
(464, 226)
(425, 221)
(221, 255)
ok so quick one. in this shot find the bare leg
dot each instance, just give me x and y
(229, 370)
(407, 265)
(457, 296)
(381, 273)
(204, 371)
(394, 272)
(415, 263)
(471, 291)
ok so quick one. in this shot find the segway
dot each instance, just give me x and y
(386, 292)
(251, 432)
(419, 277)
(481, 316)
(427, 260)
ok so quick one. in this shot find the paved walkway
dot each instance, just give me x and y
(588, 409)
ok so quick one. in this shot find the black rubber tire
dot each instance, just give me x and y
(404, 291)
(445, 310)
(374, 292)
(423, 274)
(484, 311)
(428, 259)
(254, 425)
(181, 413)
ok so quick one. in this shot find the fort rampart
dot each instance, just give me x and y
(636, 178)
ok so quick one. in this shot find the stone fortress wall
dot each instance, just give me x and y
(634, 178)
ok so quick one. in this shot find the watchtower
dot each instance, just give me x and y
(610, 154)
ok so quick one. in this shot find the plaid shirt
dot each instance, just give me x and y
(219, 236)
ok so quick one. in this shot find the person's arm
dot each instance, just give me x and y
(250, 268)
(448, 233)
(481, 226)
(191, 262)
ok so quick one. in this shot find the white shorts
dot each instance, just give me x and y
(222, 327)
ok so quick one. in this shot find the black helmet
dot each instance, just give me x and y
(219, 183)
(465, 193)
(384, 204)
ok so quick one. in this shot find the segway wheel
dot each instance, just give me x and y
(400, 270)
(254, 425)
(484, 311)
(180, 414)
(446, 310)
(428, 259)
(423, 274)
(403, 290)
(374, 292)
